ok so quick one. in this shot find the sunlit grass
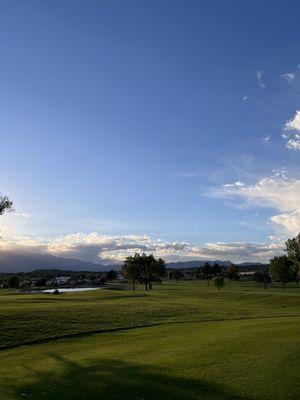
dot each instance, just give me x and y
(240, 343)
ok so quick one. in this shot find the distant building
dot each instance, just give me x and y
(246, 274)
(62, 280)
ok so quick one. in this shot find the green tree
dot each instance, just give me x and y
(131, 269)
(111, 275)
(42, 282)
(262, 277)
(144, 268)
(176, 274)
(292, 247)
(158, 270)
(207, 273)
(216, 269)
(281, 269)
(146, 262)
(14, 281)
(219, 282)
(152, 270)
(233, 273)
(198, 273)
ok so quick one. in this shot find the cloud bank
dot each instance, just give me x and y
(106, 249)
(292, 132)
(277, 192)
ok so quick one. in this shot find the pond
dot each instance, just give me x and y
(68, 290)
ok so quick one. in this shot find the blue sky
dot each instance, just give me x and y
(131, 122)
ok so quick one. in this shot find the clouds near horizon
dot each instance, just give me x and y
(97, 248)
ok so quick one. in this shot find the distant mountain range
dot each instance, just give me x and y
(25, 261)
(21, 261)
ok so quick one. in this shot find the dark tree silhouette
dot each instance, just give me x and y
(131, 269)
(111, 275)
(14, 281)
(233, 273)
(262, 277)
(216, 269)
(6, 205)
(219, 282)
(281, 269)
(158, 270)
(207, 273)
(176, 274)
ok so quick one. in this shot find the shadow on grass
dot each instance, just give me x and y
(113, 379)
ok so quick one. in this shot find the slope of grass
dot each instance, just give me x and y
(254, 359)
(28, 318)
(239, 343)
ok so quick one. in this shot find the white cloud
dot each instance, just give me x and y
(277, 238)
(260, 80)
(235, 184)
(288, 76)
(240, 250)
(294, 123)
(111, 249)
(267, 139)
(277, 192)
(22, 215)
(94, 246)
(292, 127)
(290, 221)
(294, 144)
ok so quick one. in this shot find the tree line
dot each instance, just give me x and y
(282, 269)
(208, 273)
(286, 268)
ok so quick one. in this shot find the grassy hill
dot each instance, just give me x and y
(240, 343)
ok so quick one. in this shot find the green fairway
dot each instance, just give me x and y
(240, 343)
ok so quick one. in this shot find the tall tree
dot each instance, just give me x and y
(233, 272)
(292, 247)
(144, 268)
(146, 262)
(111, 275)
(131, 269)
(262, 277)
(207, 272)
(14, 281)
(158, 271)
(219, 282)
(152, 270)
(216, 269)
(176, 274)
(6, 205)
(281, 268)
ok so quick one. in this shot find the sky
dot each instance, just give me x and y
(170, 127)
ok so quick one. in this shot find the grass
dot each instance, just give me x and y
(240, 343)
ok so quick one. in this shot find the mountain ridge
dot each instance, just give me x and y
(19, 261)
(22, 261)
